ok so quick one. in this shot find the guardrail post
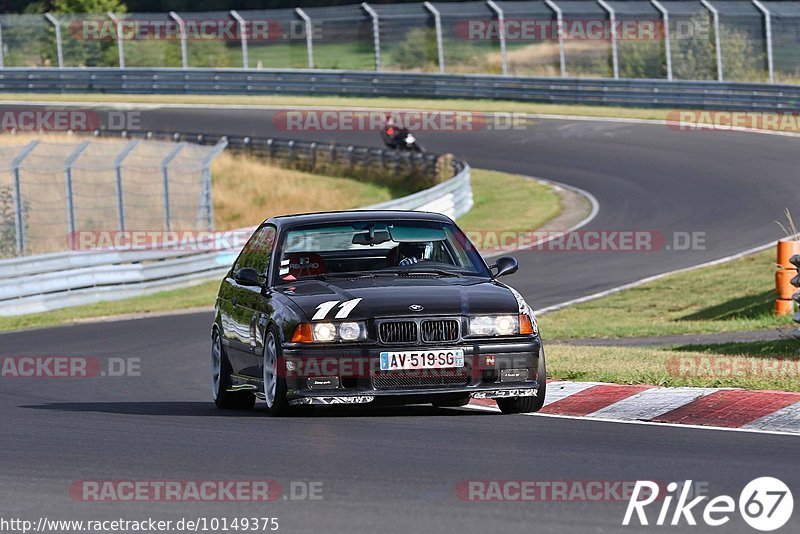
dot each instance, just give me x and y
(376, 33)
(667, 46)
(562, 54)
(120, 50)
(68, 184)
(437, 22)
(501, 32)
(59, 47)
(243, 36)
(768, 31)
(165, 180)
(19, 207)
(118, 175)
(182, 28)
(717, 37)
(612, 20)
(207, 205)
(309, 36)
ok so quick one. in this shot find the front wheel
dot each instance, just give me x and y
(528, 404)
(221, 380)
(275, 381)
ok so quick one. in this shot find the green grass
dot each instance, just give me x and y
(772, 365)
(733, 296)
(492, 210)
(507, 202)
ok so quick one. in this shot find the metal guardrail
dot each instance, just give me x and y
(610, 92)
(53, 281)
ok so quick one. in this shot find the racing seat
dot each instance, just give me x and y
(304, 264)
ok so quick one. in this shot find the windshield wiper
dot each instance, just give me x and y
(427, 271)
(351, 274)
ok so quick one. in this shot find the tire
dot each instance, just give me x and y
(275, 382)
(528, 404)
(452, 403)
(221, 380)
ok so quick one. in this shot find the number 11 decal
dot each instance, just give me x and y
(344, 309)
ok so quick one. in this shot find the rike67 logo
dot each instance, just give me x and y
(765, 504)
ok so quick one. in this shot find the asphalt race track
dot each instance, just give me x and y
(397, 470)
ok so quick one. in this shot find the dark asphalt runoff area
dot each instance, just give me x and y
(400, 469)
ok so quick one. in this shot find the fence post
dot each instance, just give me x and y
(717, 38)
(19, 208)
(68, 184)
(437, 22)
(612, 20)
(243, 36)
(501, 32)
(165, 180)
(667, 46)
(59, 47)
(120, 50)
(182, 28)
(207, 205)
(562, 55)
(118, 174)
(309, 36)
(376, 33)
(768, 30)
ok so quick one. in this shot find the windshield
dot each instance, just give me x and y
(378, 248)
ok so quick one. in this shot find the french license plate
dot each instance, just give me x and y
(426, 359)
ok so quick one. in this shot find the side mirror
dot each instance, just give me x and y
(505, 265)
(247, 276)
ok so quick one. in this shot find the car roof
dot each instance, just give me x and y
(288, 221)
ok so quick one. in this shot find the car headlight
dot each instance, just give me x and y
(351, 331)
(324, 332)
(329, 332)
(499, 325)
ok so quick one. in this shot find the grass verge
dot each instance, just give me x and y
(533, 202)
(734, 296)
(771, 365)
(246, 190)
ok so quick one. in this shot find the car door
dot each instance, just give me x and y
(248, 302)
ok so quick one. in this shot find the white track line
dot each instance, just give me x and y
(635, 422)
(630, 285)
(595, 209)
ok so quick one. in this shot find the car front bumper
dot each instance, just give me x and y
(351, 375)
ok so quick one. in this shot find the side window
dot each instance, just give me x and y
(257, 251)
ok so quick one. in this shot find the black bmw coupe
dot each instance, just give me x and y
(379, 307)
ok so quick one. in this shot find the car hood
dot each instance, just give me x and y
(395, 297)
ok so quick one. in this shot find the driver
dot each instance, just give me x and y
(411, 253)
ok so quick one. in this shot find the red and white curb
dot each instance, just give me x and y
(760, 411)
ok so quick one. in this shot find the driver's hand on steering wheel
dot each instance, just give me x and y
(405, 262)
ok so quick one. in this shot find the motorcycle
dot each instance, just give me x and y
(401, 139)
